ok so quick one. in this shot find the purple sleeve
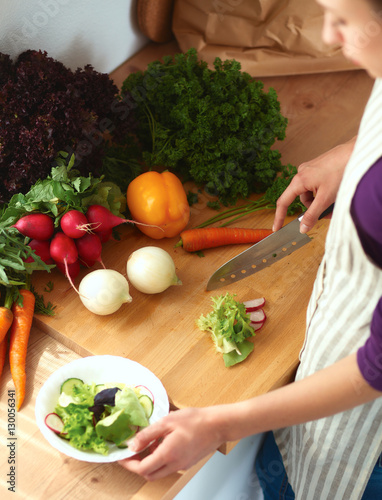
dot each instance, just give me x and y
(366, 211)
(369, 356)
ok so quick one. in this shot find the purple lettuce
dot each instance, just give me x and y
(46, 108)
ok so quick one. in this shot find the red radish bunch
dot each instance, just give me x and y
(77, 241)
(256, 312)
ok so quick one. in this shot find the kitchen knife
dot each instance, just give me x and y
(262, 254)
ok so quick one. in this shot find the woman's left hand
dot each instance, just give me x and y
(184, 436)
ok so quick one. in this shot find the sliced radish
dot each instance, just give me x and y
(145, 391)
(257, 326)
(257, 316)
(55, 423)
(254, 304)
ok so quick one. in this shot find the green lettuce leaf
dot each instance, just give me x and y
(78, 424)
(232, 358)
(229, 326)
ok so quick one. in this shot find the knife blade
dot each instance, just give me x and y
(262, 254)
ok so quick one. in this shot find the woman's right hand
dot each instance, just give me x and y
(316, 183)
(177, 442)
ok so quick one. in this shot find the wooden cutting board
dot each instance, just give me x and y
(160, 332)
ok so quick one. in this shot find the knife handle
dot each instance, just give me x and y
(326, 212)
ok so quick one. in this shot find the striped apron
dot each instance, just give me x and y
(332, 458)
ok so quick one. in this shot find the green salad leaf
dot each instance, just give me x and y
(234, 357)
(229, 325)
(63, 190)
(81, 433)
(78, 420)
(125, 416)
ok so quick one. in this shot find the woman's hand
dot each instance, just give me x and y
(184, 436)
(316, 183)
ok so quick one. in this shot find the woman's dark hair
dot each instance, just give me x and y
(377, 4)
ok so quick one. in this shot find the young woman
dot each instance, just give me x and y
(328, 423)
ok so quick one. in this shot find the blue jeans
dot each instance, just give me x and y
(274, 480)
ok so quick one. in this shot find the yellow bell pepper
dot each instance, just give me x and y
(158, 199)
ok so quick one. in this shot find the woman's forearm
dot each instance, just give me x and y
(329, 391)
(188, 435)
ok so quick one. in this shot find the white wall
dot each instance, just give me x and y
(103, 33)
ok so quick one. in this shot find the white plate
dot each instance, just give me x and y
(98, 369)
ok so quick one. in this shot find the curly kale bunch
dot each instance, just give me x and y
(46, 108)
(215, 126)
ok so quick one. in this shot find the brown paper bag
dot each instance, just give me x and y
(268, 37)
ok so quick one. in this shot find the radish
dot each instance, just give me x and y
(54, 423)
(254, 304)
(101, 219)
(74, 223)
(63, 249)
(256, 312)
(86, 263)
(89, 247)
(145, 391)
(36, 226)
(41, 248)
(72, 269)
(105, 236)
(257, 316)
(257, 326)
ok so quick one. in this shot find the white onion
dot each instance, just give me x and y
(104, 291)
(151, 270)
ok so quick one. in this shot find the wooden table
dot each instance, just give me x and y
(159, 331)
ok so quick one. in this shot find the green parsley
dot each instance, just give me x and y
(265, 202)
(213, 126)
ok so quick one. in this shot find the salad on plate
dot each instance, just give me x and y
(91, 417)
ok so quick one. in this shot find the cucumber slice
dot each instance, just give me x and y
(147, 404)
(67, 386)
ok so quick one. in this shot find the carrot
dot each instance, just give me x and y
(19, 335)
(196, 239)
(6, 317)
(3, 352)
